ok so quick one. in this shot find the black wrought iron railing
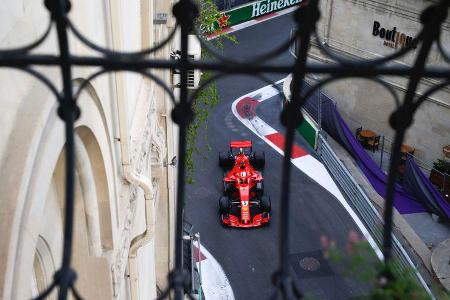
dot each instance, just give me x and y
(185, 12)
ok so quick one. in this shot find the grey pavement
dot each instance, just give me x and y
(430, 231)
(440, 260)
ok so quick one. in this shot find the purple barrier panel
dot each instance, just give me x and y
(415, 182)
(405, 203)
(336, 127)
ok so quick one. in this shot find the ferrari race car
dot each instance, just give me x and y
(243, 203)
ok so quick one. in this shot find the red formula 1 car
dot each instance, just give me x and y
(244, 203)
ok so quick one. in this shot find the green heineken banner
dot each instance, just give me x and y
(250, 11)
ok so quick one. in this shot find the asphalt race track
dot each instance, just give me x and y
(249, 257)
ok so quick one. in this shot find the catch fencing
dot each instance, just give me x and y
(363, 207)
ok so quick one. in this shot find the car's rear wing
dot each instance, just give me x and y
(240, 144)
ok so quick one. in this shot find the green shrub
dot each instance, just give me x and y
(442, 166)
(389, 281)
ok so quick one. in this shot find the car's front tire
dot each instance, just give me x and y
(224, 204)
(227, 188)
(225, 160)
(265, 204)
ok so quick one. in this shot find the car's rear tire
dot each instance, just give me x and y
(224, 204)
(259, 159)
(224, 160)
(227, 187)
(265, 204)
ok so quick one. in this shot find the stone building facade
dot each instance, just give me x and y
(125, 141)
(368, 29)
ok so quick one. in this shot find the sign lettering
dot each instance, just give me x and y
(268, 6)
(248, 12)
(392, 38)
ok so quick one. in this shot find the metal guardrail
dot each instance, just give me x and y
(191, 241)
(364, 207)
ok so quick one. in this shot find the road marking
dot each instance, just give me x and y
(265, 17)
(198, 255)
(306, 163)
(247, 107)
(215, 283)
(278, 139)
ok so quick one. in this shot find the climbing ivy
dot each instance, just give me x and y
(208, 97)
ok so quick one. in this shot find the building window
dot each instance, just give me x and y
(43, 267)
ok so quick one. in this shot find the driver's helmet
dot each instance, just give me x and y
(241, 151)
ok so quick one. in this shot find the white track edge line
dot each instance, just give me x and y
(215, 264)
(340, 197)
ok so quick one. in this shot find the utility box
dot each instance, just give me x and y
(194, 53)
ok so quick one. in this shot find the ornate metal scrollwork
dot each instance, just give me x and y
(185, 12)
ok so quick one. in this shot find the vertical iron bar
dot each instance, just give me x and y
(183, 63)
(291, 120)
(67, 113)
(192, 237)
(390, 193)
(319, 119)
(180, 200)
(382, 152)
(199, 254)
(402, 118)
(284, 214)
(443, 182)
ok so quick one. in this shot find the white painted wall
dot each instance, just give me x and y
(32, 141)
